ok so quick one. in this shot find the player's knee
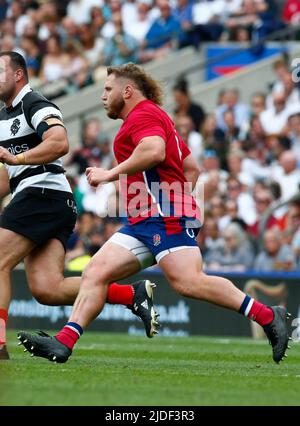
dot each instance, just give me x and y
(182, 287)
(44, 291)
(43, 295)
(5, 266)
(94, 276)
(191, 286)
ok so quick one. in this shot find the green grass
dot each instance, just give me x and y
(116, 369)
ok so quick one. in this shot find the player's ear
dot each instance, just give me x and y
(128, 91)
(19, 74)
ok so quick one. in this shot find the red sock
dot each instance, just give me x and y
(3, 321)
(118, 294)
(260, 313)
(67, 337)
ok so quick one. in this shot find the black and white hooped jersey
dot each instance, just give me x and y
(18, 125)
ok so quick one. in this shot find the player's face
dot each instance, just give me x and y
(7, 80)
(112, 97)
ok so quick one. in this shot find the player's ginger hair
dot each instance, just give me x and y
(145, 83)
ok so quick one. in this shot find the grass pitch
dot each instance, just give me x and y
(117, 369)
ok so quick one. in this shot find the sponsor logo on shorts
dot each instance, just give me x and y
(72, 205)
(156, 240)
(190, 233)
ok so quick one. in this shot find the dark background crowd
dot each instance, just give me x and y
(248, 153)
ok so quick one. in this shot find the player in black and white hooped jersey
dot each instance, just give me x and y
(37, 223)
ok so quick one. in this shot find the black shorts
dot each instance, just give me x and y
(41, 214)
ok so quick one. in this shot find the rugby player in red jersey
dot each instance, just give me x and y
(162, 224)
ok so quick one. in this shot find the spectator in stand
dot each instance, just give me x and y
(18, 14)
(129, 13)
(185, 126)
(276, 145)
(274, 119)
(184, 104)
(82, 241)
(231, 214)
(77, 69)
(217, 210)
(33, 56)
(121, 47)
(256, 135)
(258, 103)
(97, 19)
(79, 10)
(231, 132)
(90, 146)
(68, 29)
(257, 17)
(54, 62)
(263, 201)
(236, 254)
(212, 176)
(236, 161)
(140, 26)
(93, 45)
(48, 19)
(274, 256)
(8, 27)
(213, 241)
(8, 43)
(162, 32)
(255, 163)
(283, 84)
(291, 12)
(287, 175)
(245, 202)
(183, 13)
(294, 134)
(207, 24)
(241, 111)
(291, 91)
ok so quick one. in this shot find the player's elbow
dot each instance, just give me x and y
(196, 172)
(61, 147)
(158, 156)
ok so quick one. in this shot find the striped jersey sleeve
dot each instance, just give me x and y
(36, 108)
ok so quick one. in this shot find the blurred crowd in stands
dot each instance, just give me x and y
(249, 157)
(73, 40)
(248, 153)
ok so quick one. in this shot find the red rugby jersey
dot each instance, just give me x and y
(161, 190)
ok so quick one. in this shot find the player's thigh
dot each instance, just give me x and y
(44, 266)
(13, 248)
(111, 263)
(182, 267)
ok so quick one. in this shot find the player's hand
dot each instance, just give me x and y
(96, 175)
(7, 158)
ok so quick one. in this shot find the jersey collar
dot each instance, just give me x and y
(26, 89)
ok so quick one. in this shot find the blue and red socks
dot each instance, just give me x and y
(3, 321)
(116, 294)
(256, 311)
(69, 335)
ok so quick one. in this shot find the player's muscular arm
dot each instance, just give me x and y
(148, 153)
(4, 182)
(54, 145)
(191, 170)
